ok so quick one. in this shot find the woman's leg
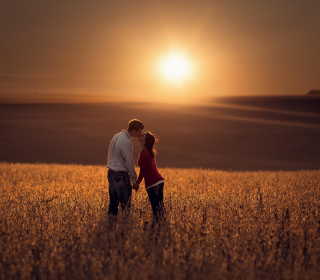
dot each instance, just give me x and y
(155, 194)
(154, 200)
(161, 204)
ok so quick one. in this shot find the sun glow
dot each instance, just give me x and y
(175, 67)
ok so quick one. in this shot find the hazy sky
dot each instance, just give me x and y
(246, 47)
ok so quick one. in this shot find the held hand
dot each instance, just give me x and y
(136, 187)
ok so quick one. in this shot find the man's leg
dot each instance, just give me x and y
(124, 190)
(114, 201)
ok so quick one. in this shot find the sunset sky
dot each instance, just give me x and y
(236, 47)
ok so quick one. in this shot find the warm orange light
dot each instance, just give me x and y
(175, 67)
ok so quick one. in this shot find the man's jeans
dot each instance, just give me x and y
(120, 190)
(155, 194)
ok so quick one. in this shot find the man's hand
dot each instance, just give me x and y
(136, 187)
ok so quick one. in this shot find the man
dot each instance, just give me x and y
(121, 168)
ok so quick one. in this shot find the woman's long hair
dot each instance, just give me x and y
(149, 143)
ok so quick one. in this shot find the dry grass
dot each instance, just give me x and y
(220, 225)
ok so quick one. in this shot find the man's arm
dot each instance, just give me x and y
(126, 150)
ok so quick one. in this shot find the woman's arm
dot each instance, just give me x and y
(142, 162)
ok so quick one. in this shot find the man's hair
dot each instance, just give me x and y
(135, 124)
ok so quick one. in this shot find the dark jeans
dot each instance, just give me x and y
(155, 194)
(120, 190)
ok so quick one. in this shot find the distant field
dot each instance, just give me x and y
(220, 225)
(239, 133)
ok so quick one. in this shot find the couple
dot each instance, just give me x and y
(121, 170)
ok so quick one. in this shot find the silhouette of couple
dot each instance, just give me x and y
(122, 176)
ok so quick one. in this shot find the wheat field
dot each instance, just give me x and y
(219, 225)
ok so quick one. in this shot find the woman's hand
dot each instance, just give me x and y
(136, 187)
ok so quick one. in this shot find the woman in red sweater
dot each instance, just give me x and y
(154, 182)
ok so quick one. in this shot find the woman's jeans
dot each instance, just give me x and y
(155, 194)
(120, 190)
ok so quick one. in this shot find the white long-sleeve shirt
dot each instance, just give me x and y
(120, 154)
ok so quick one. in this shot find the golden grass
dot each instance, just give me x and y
(220, 225)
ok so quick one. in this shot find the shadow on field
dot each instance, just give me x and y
(128, 239)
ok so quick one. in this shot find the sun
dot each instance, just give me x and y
(175, 67)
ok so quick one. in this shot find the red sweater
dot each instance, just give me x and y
(148, 169)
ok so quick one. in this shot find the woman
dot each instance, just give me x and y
(154, 182)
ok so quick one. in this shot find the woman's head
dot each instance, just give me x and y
(148, 141)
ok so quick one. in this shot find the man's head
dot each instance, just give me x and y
(135, 128)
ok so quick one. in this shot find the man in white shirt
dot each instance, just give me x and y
(121, 168)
